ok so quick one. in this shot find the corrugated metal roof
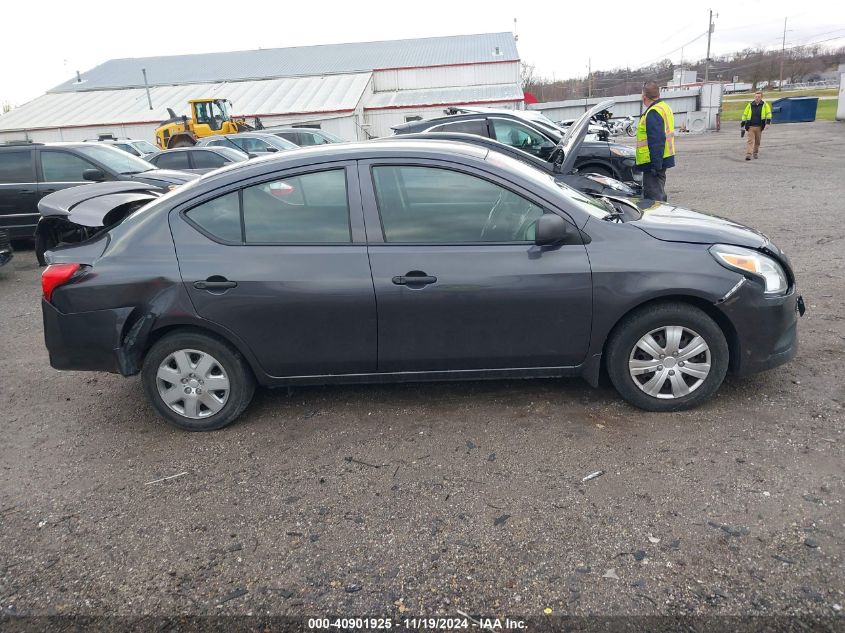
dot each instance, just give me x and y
(444, 96)
(297, 61)
(275, 96)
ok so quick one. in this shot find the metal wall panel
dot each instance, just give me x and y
(445, 76)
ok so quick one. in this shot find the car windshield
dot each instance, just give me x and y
(546, 183)
(232, 154)
(332, 138)
(115, 159)
(145, 146)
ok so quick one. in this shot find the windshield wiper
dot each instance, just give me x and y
(132, 173)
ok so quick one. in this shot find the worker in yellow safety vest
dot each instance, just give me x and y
(756, 116)
(655, 142)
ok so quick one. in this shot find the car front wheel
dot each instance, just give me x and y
(667, 357)
(195, 382)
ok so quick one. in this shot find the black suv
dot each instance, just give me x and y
(525, 130)
(30, 171)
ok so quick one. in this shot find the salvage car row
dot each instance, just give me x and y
(436, 255)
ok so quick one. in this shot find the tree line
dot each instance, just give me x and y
(754, 66)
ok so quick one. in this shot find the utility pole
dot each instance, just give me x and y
(589, 78)
(707, 59)
(782, 50)
(147, 87)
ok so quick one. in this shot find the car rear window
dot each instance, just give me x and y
(174, 160)
(16, 167)
(475, 126)
(308, 208)
(204, 159)
(220, 217)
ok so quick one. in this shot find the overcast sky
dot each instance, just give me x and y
(43, 44)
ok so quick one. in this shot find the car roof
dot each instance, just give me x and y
(468, 116)
(259, 134)
(338, 152)
(272, 130)
(65, 144)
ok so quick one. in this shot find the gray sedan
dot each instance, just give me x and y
(411, 261)
(252, 143)
(198, 160)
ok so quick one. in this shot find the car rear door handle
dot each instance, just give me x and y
(218, 283)
(414, 278)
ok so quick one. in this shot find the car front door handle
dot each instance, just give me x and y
(414, 278)
(215, 284)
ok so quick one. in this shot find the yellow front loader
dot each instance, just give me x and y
(208, 117)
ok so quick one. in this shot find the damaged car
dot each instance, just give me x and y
(531, 132)
(411, 261)
(560, 162)
(57, 167)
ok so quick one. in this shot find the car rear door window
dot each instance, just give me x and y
(203, 159)
(16, 167)
(220, 217)
(172, 160)
(475, 126)
(63, 166)
(309, 208)
(433, 205)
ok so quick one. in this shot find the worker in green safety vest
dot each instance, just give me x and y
(655, 142)
(756, 116)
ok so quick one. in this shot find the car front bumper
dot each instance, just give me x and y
(766, 328)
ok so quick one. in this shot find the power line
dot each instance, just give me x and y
(664, 55)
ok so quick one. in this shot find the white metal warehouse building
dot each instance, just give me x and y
(356, 91)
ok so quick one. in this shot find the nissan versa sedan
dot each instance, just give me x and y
(412, 261)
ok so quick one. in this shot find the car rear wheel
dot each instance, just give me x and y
(667, 357)
(196, 382)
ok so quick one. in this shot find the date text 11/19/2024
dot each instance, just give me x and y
(422, 624)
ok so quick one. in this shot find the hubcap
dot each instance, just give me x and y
(670, 362)
(192, 383)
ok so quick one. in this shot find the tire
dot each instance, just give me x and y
(45, 240)
(626, 356)
(212, 363)
(630, 130)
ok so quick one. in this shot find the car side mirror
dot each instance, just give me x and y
(550, 229)
(94, 175)
(546, 149)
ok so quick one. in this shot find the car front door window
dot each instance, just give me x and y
(430, 205)
(63, 167)
(518, 135)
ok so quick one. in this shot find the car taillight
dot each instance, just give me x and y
(56, 275)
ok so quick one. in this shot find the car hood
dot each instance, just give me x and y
(164, 177)
(575, 135)
(676, 224)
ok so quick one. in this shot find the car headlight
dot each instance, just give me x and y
(747, 261)
(625, 152)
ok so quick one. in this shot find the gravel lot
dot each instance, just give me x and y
(429, 499)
